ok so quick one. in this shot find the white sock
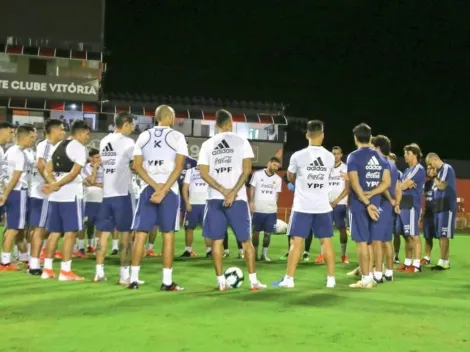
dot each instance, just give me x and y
(134, 273)
(221, 280)
(34, 263)
(167, 276)
(265, 251)
(416, 263)
(66, 266)
(427, 258)
(378, 275)
(115, 245)
(100, 270)
(150, 246)
(288, 279)
(124, 273)
(208, 249)
(189, 249)
(23, 257)
(367, 278)
(240, 251)
(343, 248)
(6, 258)
(407, 262)
(81, 244)
(28, 248)
(226, 251)
(90, 242)
(389, 272)
(253, 279)
(48, 263)
(446, 262)
(44, 244)
(331, 280)
(15, 251)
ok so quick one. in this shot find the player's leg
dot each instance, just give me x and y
(322, 228)
(429, 235)
(71, 214)
(415, 242)
(22, 245)
(403, 228)
(115, 243)
(168, 220)
(241, 251)
(37, 220)
(105, 226)
(360, 233)
(257, 222)
(145, 219)
(192, 219)
(16, 210)
(269, 227)
(397, 230)
(215, 230)
(306, 254)
(284, 258)
(380, 234)
(151, 243)
(226, 248)
(239, 219)
(341, 224)
(387, 248)
(300, 226)
(445, 232)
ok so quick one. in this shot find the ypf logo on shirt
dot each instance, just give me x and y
(373, 164)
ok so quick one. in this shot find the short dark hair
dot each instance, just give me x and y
(362, 132)
(25, 129)
(315, 126)
(79, 125)
(123, 117)
(222, 116)
(337, 148)
(93, 152)
(415, 149)
(275, 159)
(52, 123)
(5, 124)
(382, 142)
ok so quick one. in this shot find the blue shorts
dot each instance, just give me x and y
(382, 229)
(429, 227)
(408, 222)
(195, 216)
(303, 224)
(360, 225)
(444, 223)
(264, 222)
(340, 216)
(92, 211)
(148, 214)
(65, 216)
(37, 212)
(16, 209)
(217, 218)
(115, 213)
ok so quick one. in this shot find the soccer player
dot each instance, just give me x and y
(382, 230)
(309, 169)
(367, 171)
(264, 192)
(159, 156)
(117, 207)
(195, 197)
(15, 193)
(427, 215)
(93, 179)
(339, 189)
(410, 207)
(7, 133)
(396, 233)
(38, 202)
(65, 190)
(225, 164)
(445, 198)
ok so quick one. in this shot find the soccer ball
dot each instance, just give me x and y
(234, 277)
(281, 226)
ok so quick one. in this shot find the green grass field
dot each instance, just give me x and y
(423, 312)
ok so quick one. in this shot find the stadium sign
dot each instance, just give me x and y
(48, 87)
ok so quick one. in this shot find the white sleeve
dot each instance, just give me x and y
(142, 140)
(203, 155)
(187, 176)
(41, 151)
(78, 153)
(247, 150)
(279, 185)
(177, 141)
(292, 164)
(20, 161)
(129, 149)
(253, 179)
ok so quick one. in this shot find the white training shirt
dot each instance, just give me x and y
(116, 155)
(93, 194)
(32, 173)
(136, 185)
(43, 151)
(267, 189)
(312, 166)
(15, 160)
(158, 147)
(77, 152)
(337, 183)
(2, 165)
(224, 153)
(197, 186)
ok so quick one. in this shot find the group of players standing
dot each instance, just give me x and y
(215, 196)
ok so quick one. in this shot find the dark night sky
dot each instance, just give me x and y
(401, 68)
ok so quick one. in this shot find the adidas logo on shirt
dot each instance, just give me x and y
(373, 164)
(222, 148)
(108, 150)
(316, 165)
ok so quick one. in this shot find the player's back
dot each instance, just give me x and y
(225, 153)
(312, 167)
(116, 155)
(370, 166)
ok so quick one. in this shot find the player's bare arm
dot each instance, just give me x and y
(441, 185)
(185, 192)
(344, 193)
(49, 173)
(398, 195)
(10, 186)
(42, 167)
(176, 173)
(243, 177)
(139, 169)
(204, 171)
(252, 198)
(291, 177)
(94, 171)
